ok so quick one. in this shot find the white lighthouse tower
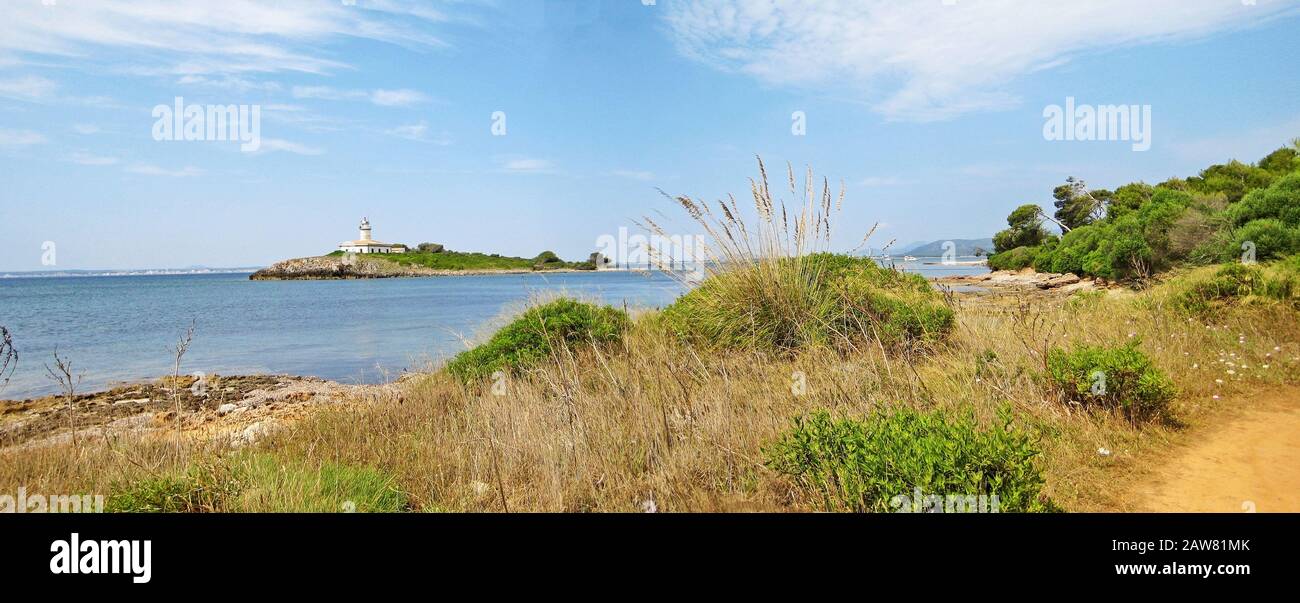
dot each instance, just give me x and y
(366, 243)
(365, 230)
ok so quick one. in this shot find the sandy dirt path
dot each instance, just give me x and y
(1249, 463)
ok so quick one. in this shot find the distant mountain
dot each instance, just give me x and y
(963, 247)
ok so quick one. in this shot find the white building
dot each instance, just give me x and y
(366, 244)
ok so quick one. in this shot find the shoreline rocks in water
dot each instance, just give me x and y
(361, 267)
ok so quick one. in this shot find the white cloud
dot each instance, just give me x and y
(927, 60)
(30, 88)
(396, 98)
(527, 166)
(89, 159)
(228, 82)
(383, 98)
(271, 145)
(147, 169)
(419, 132)
(201, 36)
(86, 129)
(20, 138)
(635, 175)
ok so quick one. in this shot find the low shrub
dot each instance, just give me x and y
(204, 488)
(1111, 377)
(879, 463)
(1200, 294)
(818, 299)
(536, 334)
(263, 483)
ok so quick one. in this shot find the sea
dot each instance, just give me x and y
(119, 327)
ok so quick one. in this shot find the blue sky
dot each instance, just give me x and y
(930, 114)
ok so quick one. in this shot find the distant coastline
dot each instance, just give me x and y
(133, 272)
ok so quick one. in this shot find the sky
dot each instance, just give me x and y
(517, 126)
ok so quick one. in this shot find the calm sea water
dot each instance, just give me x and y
(120, 328)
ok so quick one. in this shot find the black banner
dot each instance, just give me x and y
(314, 552)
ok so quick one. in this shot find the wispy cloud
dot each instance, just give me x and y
(397, 98)
(420, 132)
(228, 82)
(202, 37)
(81, 158)
(930, 60)
(272, 145)
(148, 169)
(20, 138)
(30, 88)
(527, 166)
(383, 98)
(86, 129)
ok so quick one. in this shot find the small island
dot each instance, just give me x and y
(368, 258)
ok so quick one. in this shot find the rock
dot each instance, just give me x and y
(255, 433)
(1058, 280)
(226, 409)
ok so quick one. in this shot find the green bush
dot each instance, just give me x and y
(1014, 259)
(1270, 238)
(869, 465)
(1111, 377)
(536, 334)
(1281, 200)
(819, 299)
(1235, 282)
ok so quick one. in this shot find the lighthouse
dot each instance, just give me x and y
(365, 230)
(366, 243)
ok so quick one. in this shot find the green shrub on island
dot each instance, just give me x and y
(1140, 230)
(1111, 378)
(880, 463)
(537, 334)
(436, 257)
(819, 299)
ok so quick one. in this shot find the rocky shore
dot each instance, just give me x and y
(1027, 279)
(361, 267)
(235, 409)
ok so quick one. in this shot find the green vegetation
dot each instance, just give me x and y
(434, 256)
(1226, 213)
(535, 336)
(1207, 292)
(863, 465)
(1111, 377)
(260, 483)
(208, 487)
(819, 299)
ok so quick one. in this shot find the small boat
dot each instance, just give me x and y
(908, 258)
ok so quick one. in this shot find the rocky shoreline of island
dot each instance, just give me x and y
(335, 267)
